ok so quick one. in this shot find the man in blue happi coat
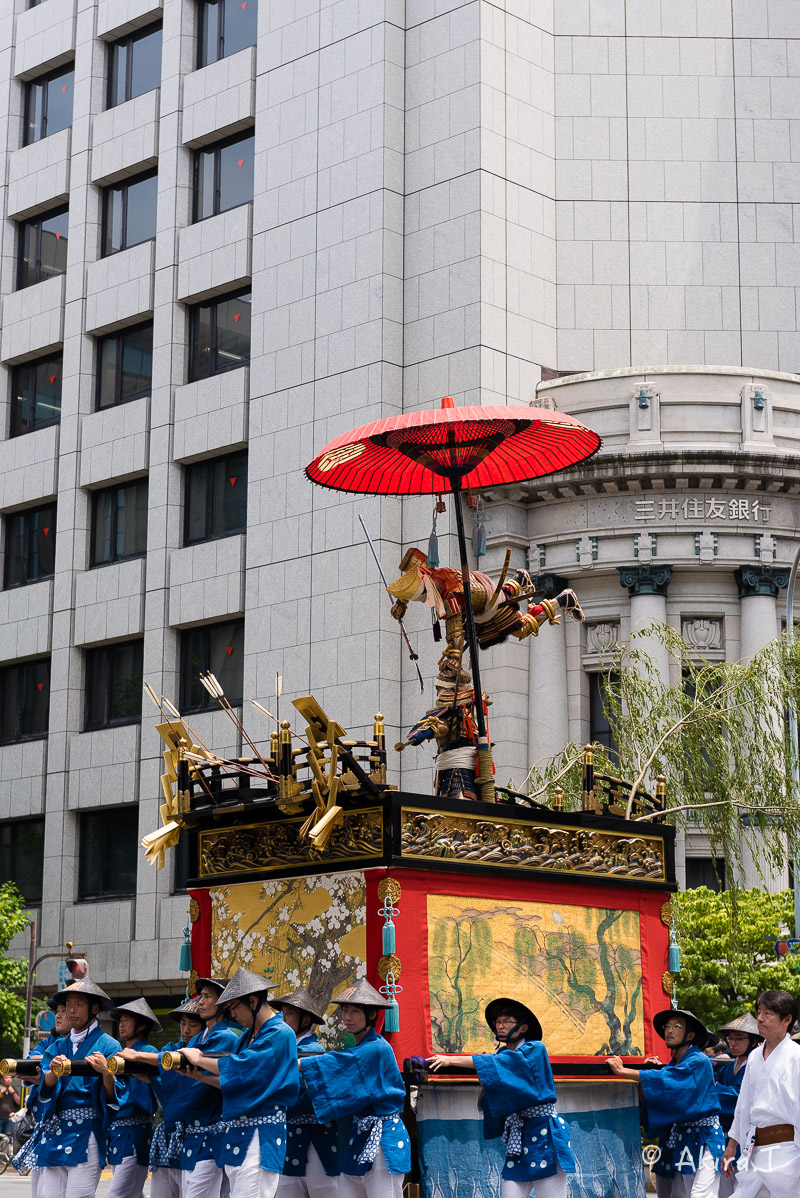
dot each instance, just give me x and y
(201, 1176)
(311, 1169)
(69, 1141)
(682, 1108)
(258, 1081)
(176, 1102)
(519, 1103)
(365, 1083)
(56, 1003)
(131, 1126)
(743, 1036)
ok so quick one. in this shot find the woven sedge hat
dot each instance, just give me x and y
(244, 983)
(88, 989)
(139, 1007)
(745, 1024)
(217, 984)
(190, 1009)
(522, 1014)
(302, 1000)
(362, 995)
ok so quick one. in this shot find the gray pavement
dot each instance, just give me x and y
(14, 1186)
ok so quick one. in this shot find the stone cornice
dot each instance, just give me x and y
(645, 580)
(761, 580)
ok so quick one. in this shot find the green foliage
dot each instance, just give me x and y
(727, 950)
(719, 738)
(13, 973)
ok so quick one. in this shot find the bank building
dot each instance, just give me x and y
(233, 231)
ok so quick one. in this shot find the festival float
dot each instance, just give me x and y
(307, 864)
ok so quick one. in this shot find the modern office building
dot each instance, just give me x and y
(232, 229)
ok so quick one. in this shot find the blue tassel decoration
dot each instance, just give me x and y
(433, 547)
(388, 938)
(391, 1022)
(185, 965)
(674, 959)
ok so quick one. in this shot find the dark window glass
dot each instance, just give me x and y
(129, 213)
(134, 65)
(42, 248)
(109, 851)
(220, 649)
(48, 105)
(36, 395)
(30, 545)
(600, 728)
(119, 523)
(22, 857)
(223, 177)
(216, 498)
(219, 336)
(705, 871)
(226, 26)
(125, 366)
(24, 700)
(114, 684)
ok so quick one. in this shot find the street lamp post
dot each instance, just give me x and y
(790, 633)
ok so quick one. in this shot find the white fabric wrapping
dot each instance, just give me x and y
(75, 1181)
(315, 1184)
(203, 1181)
(377, 1183)
(129, 1178)
(548, 1187)
(249, 1180)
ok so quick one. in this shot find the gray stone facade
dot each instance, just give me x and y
(449, 197)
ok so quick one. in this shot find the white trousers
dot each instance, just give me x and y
(75, 1181)
(378, 1183)
(165, 1183)
(702, 1184)
(249, 1180)
(203, 1181)
(315, 1184)
(548, 1187)
(773, 1172)
(129, 1178)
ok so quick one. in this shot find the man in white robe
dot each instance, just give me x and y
(766, 1123)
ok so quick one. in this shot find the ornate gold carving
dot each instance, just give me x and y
(667, 983)
(275, 846)
(666, 913)
(387, 965)
(193, 982)
(510, 843)
(194, 910)
(389, 888)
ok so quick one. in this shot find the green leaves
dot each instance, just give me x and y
(727, 950)
(13, 972)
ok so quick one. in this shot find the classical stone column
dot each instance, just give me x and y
(758, 592)
(548, 717)
(647, 586)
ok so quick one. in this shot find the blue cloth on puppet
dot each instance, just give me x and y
(362, 1081)
(513, 1080)
(258, 1082)
(300, 1133)
(683, 1112)
(68, 1143)
(201, 1107)
(135, 1101)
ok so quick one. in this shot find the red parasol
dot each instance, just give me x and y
(447, 449)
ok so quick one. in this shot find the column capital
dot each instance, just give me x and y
(761, 580)
(552, 584)
(651, 579)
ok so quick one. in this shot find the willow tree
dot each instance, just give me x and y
(719, 736)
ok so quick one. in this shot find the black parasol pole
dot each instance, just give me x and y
(485, 779)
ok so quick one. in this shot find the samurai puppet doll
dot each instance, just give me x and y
(451, 723)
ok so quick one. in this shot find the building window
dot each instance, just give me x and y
(48, 105)
(24, 700)
(30, 545)
(125, 366)
(36, 395)
(119, 523)
(219, 335)
(22, 857)
(226, 26)
(109, 852)
(216, 498)
(134, 65)
(42, 248)
(600, 727)
(129, 213)
(223, 176)
(705, 871)
(114, 684)
(220, 649)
